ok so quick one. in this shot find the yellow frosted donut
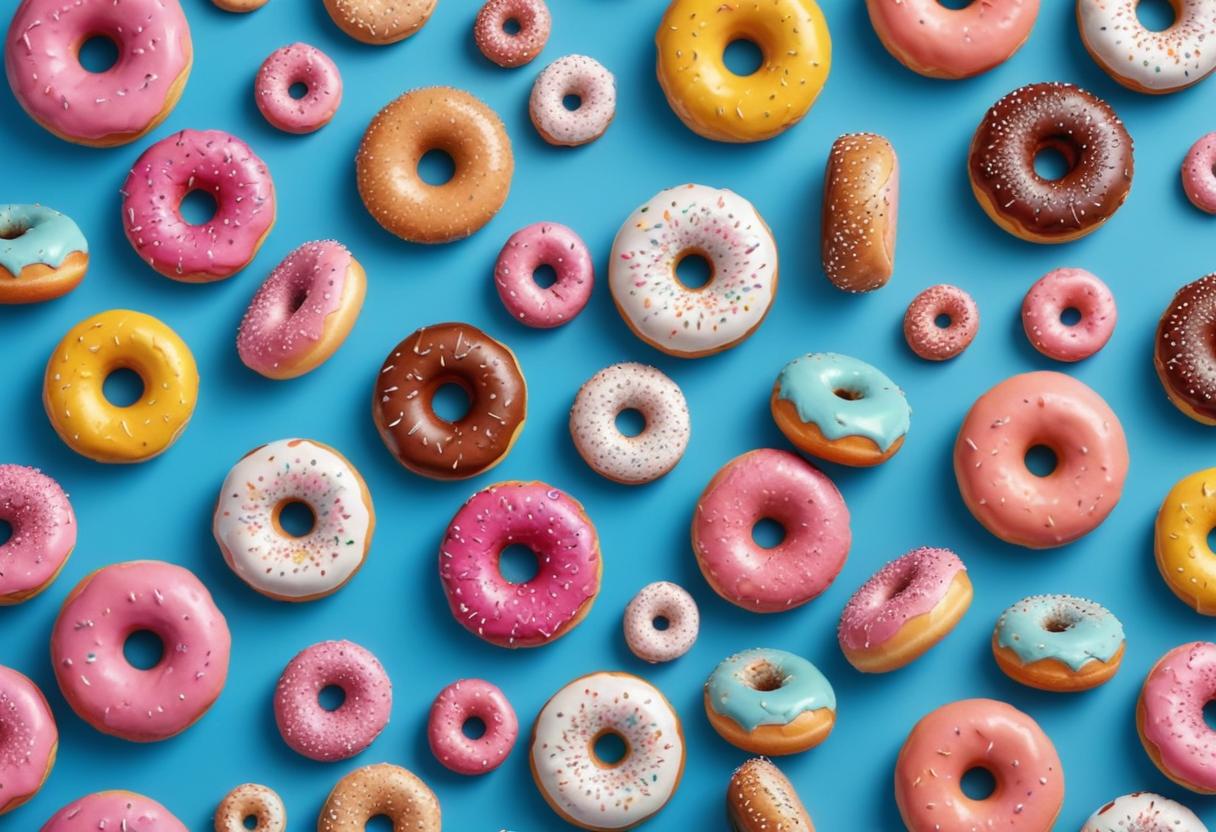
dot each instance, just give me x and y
(793, 37)
(88, 354)
(1181, 540)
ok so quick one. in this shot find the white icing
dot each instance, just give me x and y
(1143, 812)
(1160, 61)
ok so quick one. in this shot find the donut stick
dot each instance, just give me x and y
(860, 209)
(762, 799)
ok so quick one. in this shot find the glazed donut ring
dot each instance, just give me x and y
(1180, 540)
(251, 800)
(380, 789)
(1183, 352)
(43, 254)
(1146, 60)
(380, 22)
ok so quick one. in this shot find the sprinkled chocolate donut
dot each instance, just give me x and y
(512, 49)
(1184, 353)
(380, 22)
(381, 789)
(926, 337)
(251, 801)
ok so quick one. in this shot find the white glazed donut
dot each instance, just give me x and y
(720, 226)
(261, 552)
(581, 788)
(1144, 60)
(672, 603)
(1143, 812)
(593, 85)
(631, 460)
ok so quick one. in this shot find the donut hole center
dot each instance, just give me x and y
(123, 387)
(1156, 15)
(436, 167)
(1070, 316)
(763, 677)
(297, 299)
(251, 822)
(743, 57)
(693, 270)
(1057, 624)
(661, 623)
(900, 587)
(848, 395)
(198, 207)
(98, 53)
(1054, 159)
(1041, 460)
(6, 532)
(609, 749)
(512, 26)
(977, 783)
(474, 728)
(572, 101)
(1212, 540)
(298, 90)
(942, 321)
(544, 275)
(630, 422)
(1209, 714)
(518, 564)
(13, 232)
(143, 649)
(451, 402)
(768, 533)
(956, 5)
(331, 697)
(379, 823)
(294, 518)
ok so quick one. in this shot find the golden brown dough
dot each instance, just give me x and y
(762, 799)
(860, 209)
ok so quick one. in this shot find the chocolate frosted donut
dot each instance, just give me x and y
(1081, 127)
(1185, 350)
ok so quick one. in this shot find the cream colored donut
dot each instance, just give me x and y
(251, 800)
(1144, 60)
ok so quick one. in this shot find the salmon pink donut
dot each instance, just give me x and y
(584, 79)
(670, 603)
(43, 534)
(1199, 173)
(1054, 294)
(29, 739)
(927, 337)
(298, 63)
(119, 811)
(544, 244)
(1170, 716)
(453, 708)
(512, 49)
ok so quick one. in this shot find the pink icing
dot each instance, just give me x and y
(1199, 173)
(673, 604)
(551, 524)
(298, 63)
(907, 587)
(43, 531)
(108, 692)
(28, 739)
(1177, 688)
(154, 53)
(114, 812)
(457, 704)
(933, 342)
(544, 244)
(1062, 289)
(580, 76)
(198, 160)
(507, 49)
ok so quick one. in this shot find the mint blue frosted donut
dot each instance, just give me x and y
(1070, 630)
(764, 686)
(34, 235)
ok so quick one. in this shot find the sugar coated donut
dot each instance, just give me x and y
(713, 101)
(29, 741)
(73, 393)
(717, 225)
(1199, 173)
(1183, 352)
(645, 456)
(460, 702)
(102, 687)
(544, 608)
(840, 408)
(512, 49)
(1054, 294)
(762, 799)
(1143, 812)
(1145, 60)
(43, 533)
(592, 793)
(779, 486)
(978, 733)
(1169, 716)
(1058, 643)
(544, 244)
(381, 789)
(43, 254)
(1042, 409)
(380, 22)
(671, 603)
(251, 800)
(770, 702)
(298, 63)
(240, 7)
(303, 312)
(1180, 540)
(119, 810)
(581, 78)
(1083, 129)
(926, 337)
(904, 609)
(860, 212)
(434, 118)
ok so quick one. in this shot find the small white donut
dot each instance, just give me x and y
(1143, 812)
(1144, 60)
(672, 603)
(579, 76)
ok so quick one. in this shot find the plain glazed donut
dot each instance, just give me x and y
(1170, 720)
(762, 799)
(941, 343)
(1143, 812)
(671, 603)
(1199, 173)
(298, 63)
(29, 740)
(1183, 352)
(43, 533)
(1180, 540)
(118, 810)
(512, 49)
(380, 22)
(1058, 643)
(1058, 291)
(43, 254)
(455, 705)
(251, 800)
(580, 77)
(544, 244)
(1145, 60)
(381, 789)
(860, 212)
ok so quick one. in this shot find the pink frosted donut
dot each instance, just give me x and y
(460, 702)
(103, 688)
(573, 76)
(307, 727)
(43, 532)
(198, 160)
(116, 811)
(931, 341)
(1170, 715)
(544, 244)
(550, 523)
(509, 49)
(779, 486)
(298, 63)
(671, 603)
(1058, 291)
(28, 739)
(1199, 173)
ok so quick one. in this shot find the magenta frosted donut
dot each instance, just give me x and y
(116, 811)
(1170, 715)
(580, 77)
(1199, 173)
(512, 49)
(198, 160)
(460, 702)
(28, 739)
(932, 341)
(298, 63)
(1058, 291)
(671, 603)
(544, 244)
(311, 730)
(43, 532)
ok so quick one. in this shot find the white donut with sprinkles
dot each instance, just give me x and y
(1146, 61)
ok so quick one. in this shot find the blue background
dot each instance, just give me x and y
(395, 607)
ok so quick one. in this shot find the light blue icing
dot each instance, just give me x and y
(1086, 630)
(801, 688)
(39, 235)
(880, 412)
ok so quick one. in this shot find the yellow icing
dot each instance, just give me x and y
(1186, 561)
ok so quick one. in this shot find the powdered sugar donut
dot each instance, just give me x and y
(43, 532)
(455, 706)
(512, 49)
(1199, 173)
(579, 77)
(544, 244)
(926, 337)
(116, 810)
(1143, 812)
(1145, 60)
(251, 800)
(1057, 292)
(671, 603)
(298, 63)
(29, 739)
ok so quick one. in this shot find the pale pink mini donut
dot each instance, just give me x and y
(116, 811)
(342, 733)
(298, 63)
(579, 76)
(936, 343)
(1171, 714)
(1063, 289)
(28, 739)
(544, 244)
(460, 702)
(512, 49)
(43, 532)
(672, 603)
(1199, 174)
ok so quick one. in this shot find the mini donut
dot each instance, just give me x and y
(1183, 352)
(860, 212)
(762, 799)
(75, 401)
(1143, 812)
(770, 702)
(713, 101)
(43, 536)
(550, 604)
(671, 603)
(324, 735)
(1145, 60)
(544, 244)
(381, 789)
(1169, 716)
(239, 7)
(303, 312)
(778, 486)
(512, 49)
(1083, 129)
(579, 77)
(1199, 173)
(29, 741)
(109, 693)
(587, 791)
(251, 801)
(904, 609)
(455, 705)
(1180, 540)
(298, 63)
(694, 220)
(434, 118)
(428, 359)
(941, 343)
(1058, 291)
(1058, 643)
(380, 22)
(1040, 409)
(841, 409)
(120, 810)
(43, 254)
(198, 160)
(642, 458)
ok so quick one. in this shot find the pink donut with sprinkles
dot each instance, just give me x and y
(198, 160)
(43, 532)
(116, 811)
(512, 49)
(1054, 294)
(671, 604)
(544, 244)
(28, 739)
(316, 733)
(456, 705)
(1199, 174)
(298, 63)
(579, 77)
(1170, 716)
(930, 339)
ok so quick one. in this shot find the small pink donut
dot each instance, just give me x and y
(938, 343)
(342, 733)
(460, 702)
(1063, 289)
(1170, 715)
(544, 244)
(116, 811)
(43, 532)
(672, 603)
(298, 63)
(1199, 174)
(509, 49)
(28, 739)
(584, 78)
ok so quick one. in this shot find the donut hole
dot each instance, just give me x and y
(436, 167)
(198, 207)
(630, 422)
(544, 275)
(474, 728)
(518, 564)
(661, 623)
(957, 5)
(250, 821)
(13, 232)
(298, 90)
(6, 532)
(143, 649)
(379, 823)
(743, 57)
(512, 26)
(123, 387)
(1041, 460)
(1053, 160)
(1058, 624)
(1070, 316)
(768, 533)
(1212, 540)
(451, 402)
(98, 53)
(763, 677)
(1156, 15)
(848, 395)
(294, 518)
(1209, 714)
(609, 749)
(331, 697)
(977, 783)
(901, 586)
(943, 321)
(572, 101)
(693, 270)
(298, 297)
